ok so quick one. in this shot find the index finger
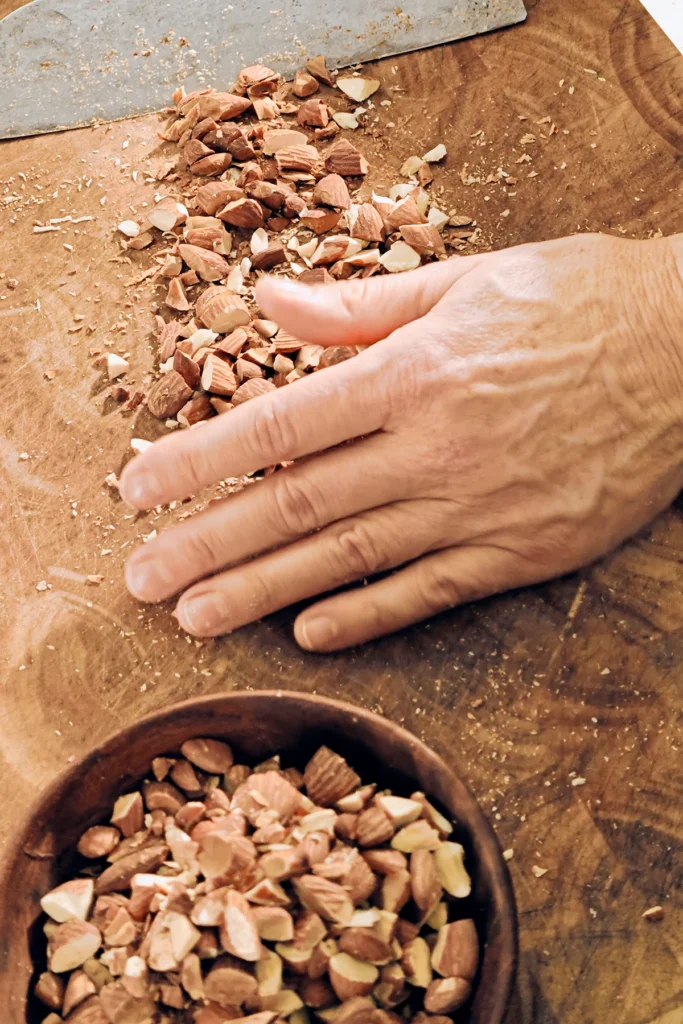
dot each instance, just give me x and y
(312, 414)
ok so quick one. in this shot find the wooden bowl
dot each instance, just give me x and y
(256, 726)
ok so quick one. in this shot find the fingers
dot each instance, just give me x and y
(358, 312)
(343, 552)
(436, 582)
(278, 510)
(315, 413)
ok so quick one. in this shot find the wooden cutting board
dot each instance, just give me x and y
(575, 679)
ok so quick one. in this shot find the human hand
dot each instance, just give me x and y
(520, 415)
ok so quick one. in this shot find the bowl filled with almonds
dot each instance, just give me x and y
(257, 857)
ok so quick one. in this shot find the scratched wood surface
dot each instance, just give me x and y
(575, 679)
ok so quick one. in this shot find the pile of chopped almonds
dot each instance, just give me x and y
(222, 893)
(256, 194)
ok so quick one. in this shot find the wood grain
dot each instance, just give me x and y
(578, 676)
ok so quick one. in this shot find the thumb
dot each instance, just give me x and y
(362, 311)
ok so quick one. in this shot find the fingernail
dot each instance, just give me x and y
(201, 615)
(147, 577)
(317, 634)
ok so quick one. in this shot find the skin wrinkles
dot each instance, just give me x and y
(523, 425)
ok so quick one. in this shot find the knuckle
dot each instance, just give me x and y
(294, 505)
(357, 552)
(440, 590)
(272, 435)
(259, 597)
(202, 549)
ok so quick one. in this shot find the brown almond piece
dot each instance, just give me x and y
(317, 993)
(175, 296)
(98, 841)
(252, 389)
(425, 884)
(79, 988)
(343, 158)
(314, 114)
(212, 756)
(297, 158)
(373, 827)
(49, 988)
(316, 275)
(211, 166)
(304, 84)
(445, 995)
(456, 953)
(317, 66)
(328, 777)
(415, 961)
(187, 368)
(210, 266)
(166, 397)
(385, 862)
(274, 924)
(194, 150)
(320, 221)
(350, 977)
(197, 409)
(218, 377)
(365, 223)
(332, 190)
(89, 1012)
(227, 985)
(395, 891)
(128, 814)
(221, 310)
(365, 944)
(222, 106)
(214, 195)
(270, 257)
(326, 898)
(404, 212)
(117, 877)
(242, 213)
(392, 989)
(424, 238)
(120, 1007)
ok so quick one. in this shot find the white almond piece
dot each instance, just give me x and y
(70, 901)
(245, 266)
(116, 366)
(400, 257)
(358, 88)
(320, 820)
(259, 241)
(411, 166)
(345, 120)
(399, 809)
(140, 445)
(306, 249)
(129, 228)
(365, 918)
(203, 338)
(436, 154)
(167, 215)
(235, 281)
(449, 860)
(437, 218)
(400, 191)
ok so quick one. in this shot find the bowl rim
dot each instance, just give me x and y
(509, 934)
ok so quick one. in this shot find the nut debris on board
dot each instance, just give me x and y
(261, 167)
(257, 895)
